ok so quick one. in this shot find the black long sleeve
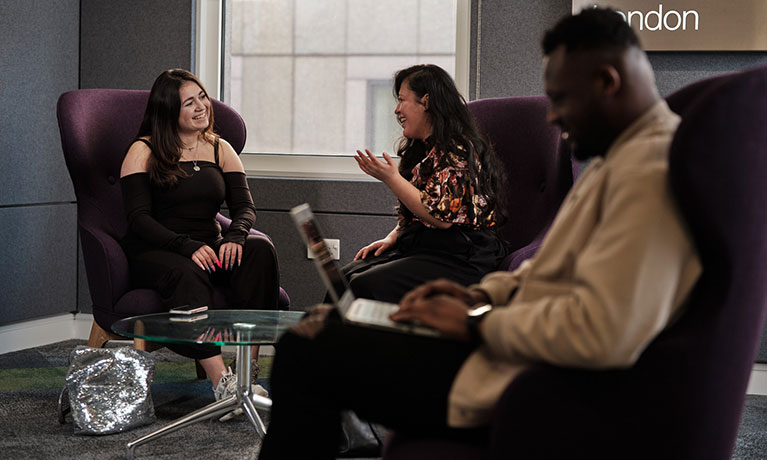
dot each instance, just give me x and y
(241, 208)
(137, 199)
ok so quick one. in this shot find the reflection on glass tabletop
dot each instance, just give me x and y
(214, 327)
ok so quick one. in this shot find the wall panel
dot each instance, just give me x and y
(339, 196)
(38, 52)
(39, 56)
(38, 276)
(128, 44)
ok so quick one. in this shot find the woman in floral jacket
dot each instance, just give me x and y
(447, 183)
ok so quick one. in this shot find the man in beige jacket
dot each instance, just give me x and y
(613, 272)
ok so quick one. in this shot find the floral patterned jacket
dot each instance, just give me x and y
(448, 191)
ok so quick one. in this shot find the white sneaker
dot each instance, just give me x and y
(227, 387)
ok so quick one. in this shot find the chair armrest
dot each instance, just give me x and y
(284, 299)
(515, 259)
(225, 222)
(106, 267)
(512, 261)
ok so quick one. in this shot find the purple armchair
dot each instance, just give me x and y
(684, 396)
(537, 165)
(96, 127)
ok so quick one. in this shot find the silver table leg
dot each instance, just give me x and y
(244, 399)
(249, 400)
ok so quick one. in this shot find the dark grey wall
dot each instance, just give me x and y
(674, 70)
(509, 54)
(128, 44)
(38, 56)
(506, 47)
(45, 52)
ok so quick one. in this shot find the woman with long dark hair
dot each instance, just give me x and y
(174, 178)
(447, 184)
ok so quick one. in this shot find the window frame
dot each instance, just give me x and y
(212, 34)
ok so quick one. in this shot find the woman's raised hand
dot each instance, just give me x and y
(372, 166)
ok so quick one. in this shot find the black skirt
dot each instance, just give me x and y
(422, 254)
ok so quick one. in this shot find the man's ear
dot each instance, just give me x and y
(609, 80)
(425, 101)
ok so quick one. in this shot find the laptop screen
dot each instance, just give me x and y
(335, 282)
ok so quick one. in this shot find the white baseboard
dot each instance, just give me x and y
(30, 334)
(758, 383)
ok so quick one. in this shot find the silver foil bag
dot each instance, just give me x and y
(109, 389)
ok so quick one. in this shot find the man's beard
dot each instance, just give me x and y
(584, 153)
(595, 145)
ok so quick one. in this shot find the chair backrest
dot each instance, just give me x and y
(718, 174)
(536, 161)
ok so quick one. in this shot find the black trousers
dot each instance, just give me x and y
(423, 254)
(398, 380)
(255, 284)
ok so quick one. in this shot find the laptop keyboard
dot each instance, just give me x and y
(371, 311)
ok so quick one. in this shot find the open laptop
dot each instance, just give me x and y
(365, 312)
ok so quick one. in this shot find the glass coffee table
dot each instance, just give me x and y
(242, 328)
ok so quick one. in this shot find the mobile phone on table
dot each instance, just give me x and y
(188, 309)
(188, 318)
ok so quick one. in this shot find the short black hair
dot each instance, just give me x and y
(592, 28)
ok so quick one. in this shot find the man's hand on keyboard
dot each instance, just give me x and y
(446, 287)
(443, 312)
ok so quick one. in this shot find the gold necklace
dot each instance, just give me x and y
(194, 162)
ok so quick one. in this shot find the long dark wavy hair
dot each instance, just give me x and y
(160, 124)
(452, 125)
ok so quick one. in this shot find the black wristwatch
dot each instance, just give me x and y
(475, 316)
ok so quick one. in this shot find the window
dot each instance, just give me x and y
(313, 78)
(381, 127)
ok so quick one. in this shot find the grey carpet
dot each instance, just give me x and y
(752, 435)
(29, 428)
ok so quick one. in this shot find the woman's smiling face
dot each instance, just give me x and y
(412, 113)
(195, 108)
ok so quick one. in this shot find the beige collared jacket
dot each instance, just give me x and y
(613, 272)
